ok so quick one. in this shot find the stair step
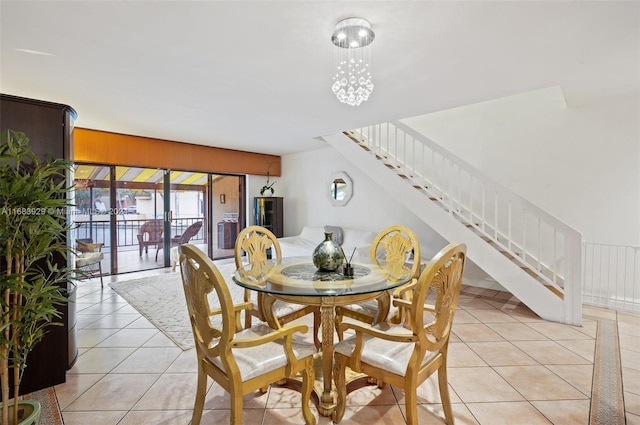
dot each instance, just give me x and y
(365, 147)
(351, 136)
(511, 256)
(493, 242)
(538, 277)
(530, 272)
(555, 291)
(476, 228)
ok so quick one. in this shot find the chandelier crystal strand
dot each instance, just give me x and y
(352, 82)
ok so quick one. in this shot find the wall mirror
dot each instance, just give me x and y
(340, 188)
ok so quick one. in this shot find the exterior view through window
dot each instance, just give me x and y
(141, 215)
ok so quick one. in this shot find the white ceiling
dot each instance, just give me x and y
(256, 76)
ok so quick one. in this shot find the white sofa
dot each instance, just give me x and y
(303, 244)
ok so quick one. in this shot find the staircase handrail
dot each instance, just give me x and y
(565, 270)
(484, 177)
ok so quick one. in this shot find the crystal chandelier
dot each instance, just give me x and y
(352, 60)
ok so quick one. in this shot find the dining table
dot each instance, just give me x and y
(297, 280)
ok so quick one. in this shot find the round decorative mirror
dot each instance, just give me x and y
(340, 189)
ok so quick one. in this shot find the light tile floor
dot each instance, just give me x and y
(506, 366)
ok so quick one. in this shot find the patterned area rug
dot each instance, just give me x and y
(161, 300)
(607, 397)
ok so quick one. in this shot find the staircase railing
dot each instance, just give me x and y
(543, 246)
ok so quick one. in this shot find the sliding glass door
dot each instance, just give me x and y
(142, 214)
(187, 215)
(139, 203)
(91, 208)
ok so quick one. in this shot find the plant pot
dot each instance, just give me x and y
(30, 414)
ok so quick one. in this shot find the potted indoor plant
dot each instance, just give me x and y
(33, 227)
(267, 187)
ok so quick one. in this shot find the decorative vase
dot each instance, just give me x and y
(328, 256)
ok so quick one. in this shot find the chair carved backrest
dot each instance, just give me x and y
(391, 249)
(255, 241)
(201, 280)
(392, 246)
(443, 277)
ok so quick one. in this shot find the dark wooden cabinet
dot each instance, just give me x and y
(49, 127)
(268, 213)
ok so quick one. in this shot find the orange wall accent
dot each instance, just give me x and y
(102, 147)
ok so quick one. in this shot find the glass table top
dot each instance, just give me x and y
(299, 276)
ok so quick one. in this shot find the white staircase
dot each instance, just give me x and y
(530, 253)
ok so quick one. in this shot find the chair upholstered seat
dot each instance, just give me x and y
(283, 308)
(369, 308)
(379, 353)
(89, 259)
(255, 361)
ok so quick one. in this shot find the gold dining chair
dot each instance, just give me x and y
(255, 242)
(405, 355)
(239, 360)
(390, 249)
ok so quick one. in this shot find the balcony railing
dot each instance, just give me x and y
(612, 276)
(127, 230)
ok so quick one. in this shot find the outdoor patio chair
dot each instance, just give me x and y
(178, 240)
(150, 234)
(89, 258)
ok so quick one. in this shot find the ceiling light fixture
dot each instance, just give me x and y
(352, 60)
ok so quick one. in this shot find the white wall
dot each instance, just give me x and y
(305, 184)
